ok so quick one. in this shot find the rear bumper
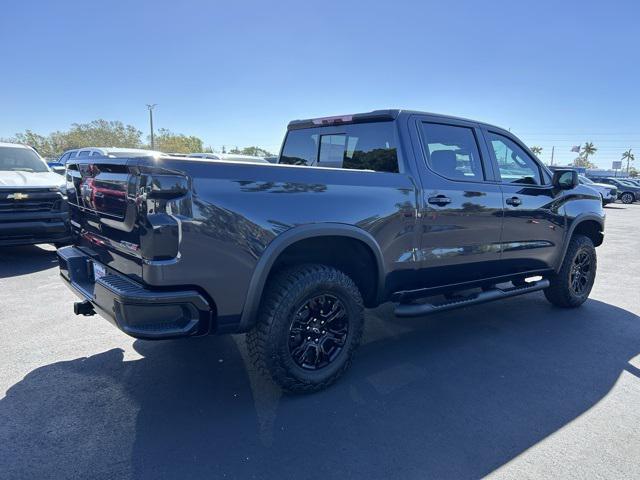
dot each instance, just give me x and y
(21, 230)
(133, 308)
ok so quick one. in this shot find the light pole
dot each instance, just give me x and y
(151, 107)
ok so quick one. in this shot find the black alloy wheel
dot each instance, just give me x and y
(318, 332)
(581, 272)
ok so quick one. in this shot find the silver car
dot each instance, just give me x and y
(609, 193)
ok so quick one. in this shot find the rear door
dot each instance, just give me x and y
(461, 218)
(533, 224)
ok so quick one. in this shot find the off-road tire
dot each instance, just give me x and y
(560, 292)
(268, 341)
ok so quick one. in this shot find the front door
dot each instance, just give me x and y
(533, 226)
(461, 218)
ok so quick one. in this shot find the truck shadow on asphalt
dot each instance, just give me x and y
(15, 261)
(455, 395)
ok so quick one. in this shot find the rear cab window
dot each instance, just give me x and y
(360, 146)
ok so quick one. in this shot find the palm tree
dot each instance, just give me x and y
(629, 157)
(588, 149)
(583, 158)
(536, 151)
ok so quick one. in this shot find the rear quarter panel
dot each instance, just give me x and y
(239, 209)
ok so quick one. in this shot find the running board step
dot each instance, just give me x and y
(420, 309)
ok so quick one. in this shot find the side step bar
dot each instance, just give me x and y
(420, 309)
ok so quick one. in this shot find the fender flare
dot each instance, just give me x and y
(583, 217)
(288, 238)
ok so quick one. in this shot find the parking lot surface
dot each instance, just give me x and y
(512, 389)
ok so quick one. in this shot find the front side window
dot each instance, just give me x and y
(514, 165)
(15, 159)
(452, 151)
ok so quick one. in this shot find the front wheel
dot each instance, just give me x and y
(309, 326)
(627, 198)
(571, 286)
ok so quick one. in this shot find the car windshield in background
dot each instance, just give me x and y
(20, 160)
(585, 180)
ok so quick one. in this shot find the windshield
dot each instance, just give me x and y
(585, 180)
(625, 183)
(20, 160)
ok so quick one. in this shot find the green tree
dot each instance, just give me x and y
(99, 133)
(169, 142)
(41, 144)
(536, 150)
(102, 133)
(253, 151)
(629, 157)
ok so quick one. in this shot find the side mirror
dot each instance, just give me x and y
(565, 179)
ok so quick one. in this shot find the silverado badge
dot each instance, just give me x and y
(18, 196)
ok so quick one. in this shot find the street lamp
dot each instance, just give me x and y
(151, 107)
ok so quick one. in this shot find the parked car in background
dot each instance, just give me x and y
(33, 201)
(627, 192)
(232, 157)
(609, 193)
(429, 211)
(106, 152)
(633, 181)
(56, 166)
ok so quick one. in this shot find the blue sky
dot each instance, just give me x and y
(234, 73)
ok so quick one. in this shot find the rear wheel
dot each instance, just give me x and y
(571, 286)
(309, 326)
(627, 197)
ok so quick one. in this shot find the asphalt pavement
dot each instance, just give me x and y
(511, 389)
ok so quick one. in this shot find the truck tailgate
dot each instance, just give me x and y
(118, 211)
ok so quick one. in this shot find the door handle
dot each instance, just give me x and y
(440, 200)
(515, 201)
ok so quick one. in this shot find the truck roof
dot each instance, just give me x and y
(373, 116)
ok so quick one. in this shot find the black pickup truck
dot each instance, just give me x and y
(430, 212)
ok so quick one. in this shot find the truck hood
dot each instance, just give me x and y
(30, 179)
(604, 185)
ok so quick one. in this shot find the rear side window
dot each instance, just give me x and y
(84, 153)
(367, 146)
(452, 151)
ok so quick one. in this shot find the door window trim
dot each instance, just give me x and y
(487, 170)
